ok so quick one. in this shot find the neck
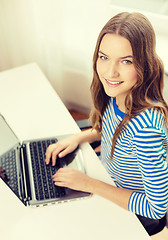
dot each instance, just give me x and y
(121, 105)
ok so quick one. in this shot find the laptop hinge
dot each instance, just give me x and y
(25, 175)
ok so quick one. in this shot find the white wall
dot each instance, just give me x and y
(61, 36)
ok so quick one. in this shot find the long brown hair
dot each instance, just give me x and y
(147, 92)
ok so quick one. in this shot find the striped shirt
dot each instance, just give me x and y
(139, 160)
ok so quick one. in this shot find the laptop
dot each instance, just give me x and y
(24, 170)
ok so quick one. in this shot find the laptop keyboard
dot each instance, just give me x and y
(8, 164)
(42, 173)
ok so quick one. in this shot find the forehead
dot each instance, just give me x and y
(113, 43)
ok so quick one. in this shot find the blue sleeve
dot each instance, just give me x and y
(150, 146)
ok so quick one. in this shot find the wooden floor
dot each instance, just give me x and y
(78, 115)
(163, 235)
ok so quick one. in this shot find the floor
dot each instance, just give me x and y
(163, 235)
(78, 115)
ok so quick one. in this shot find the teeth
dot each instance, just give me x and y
(113, 82)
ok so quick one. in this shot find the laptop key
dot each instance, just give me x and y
(42, 173)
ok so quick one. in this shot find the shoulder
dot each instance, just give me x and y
(148, 119)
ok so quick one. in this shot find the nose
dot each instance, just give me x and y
(113, 71)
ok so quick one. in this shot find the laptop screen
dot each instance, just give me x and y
(7, 138)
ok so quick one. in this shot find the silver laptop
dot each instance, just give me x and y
(24, 170)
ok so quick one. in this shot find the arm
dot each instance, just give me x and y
(69, 144)
(89, 135)
(153, 202)
(151, 155)
(74, 179)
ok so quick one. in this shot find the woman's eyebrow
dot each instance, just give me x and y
(103, 53)
(129, 56)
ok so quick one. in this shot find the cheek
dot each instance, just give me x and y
(132, 76)
(101, 67)
(98, 68)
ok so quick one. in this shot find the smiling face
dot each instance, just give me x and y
(115, 67)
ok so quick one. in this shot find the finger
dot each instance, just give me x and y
(59, 179)
(58, 176)
(48, 154)
(65, 152)
(56, 153)
(60, 184)
(54, 157)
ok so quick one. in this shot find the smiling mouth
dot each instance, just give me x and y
(114, 83)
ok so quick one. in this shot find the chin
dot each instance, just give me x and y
(109, 93)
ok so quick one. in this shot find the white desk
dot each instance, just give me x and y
(33, 109)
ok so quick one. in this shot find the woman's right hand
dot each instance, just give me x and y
(61, 149)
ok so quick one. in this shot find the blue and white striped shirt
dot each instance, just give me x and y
(139, 160)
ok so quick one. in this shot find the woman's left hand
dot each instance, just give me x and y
(71, 178)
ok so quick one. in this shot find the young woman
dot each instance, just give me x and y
(130, 116)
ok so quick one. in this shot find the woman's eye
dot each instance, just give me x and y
(103, 57)
(127, 62)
